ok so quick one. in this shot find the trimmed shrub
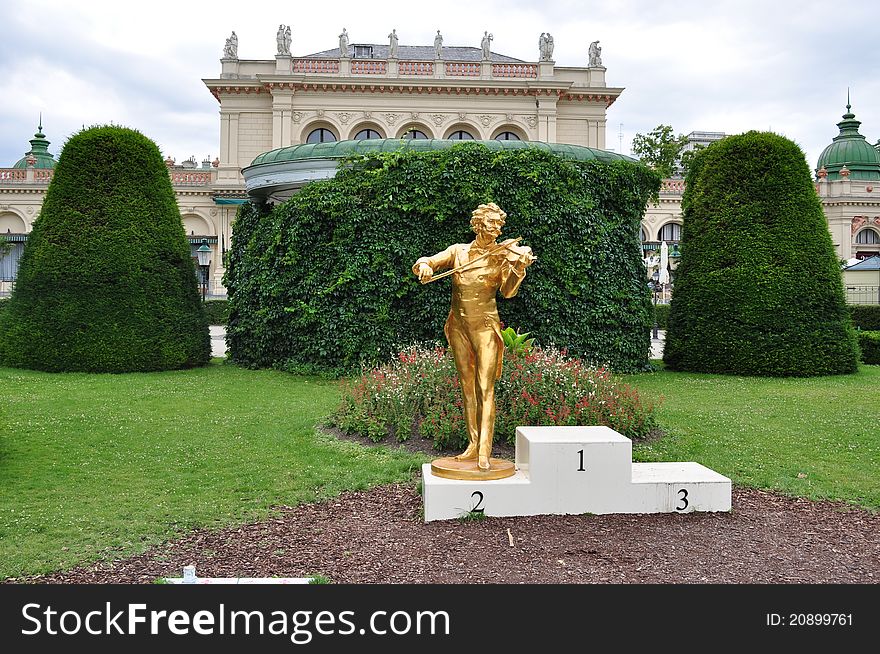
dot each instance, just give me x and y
(106, 282)
(869, 343)
(418, 393)
(865, 316)
(758, 288)
(217, 311)
(323, 281)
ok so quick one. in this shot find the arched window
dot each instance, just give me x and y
(507, 136)
(414, 134)
(867, 237)
(461, 135)
(366, 134)
(321, 135)
(670, 232)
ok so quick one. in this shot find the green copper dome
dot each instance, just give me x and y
(275, 175)
(850, 149)
(339, 149)
(39, 150)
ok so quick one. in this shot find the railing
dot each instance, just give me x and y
(672, 187)
(12, 175)
(191, 178)
(416, 68)
(316, 66)
(409, 68)
(368, 67)
(44, 175)
(515, 70)
(863, 294)
(462, 69)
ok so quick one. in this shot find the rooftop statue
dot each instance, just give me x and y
(595, 55)
(545, 46)
(438, 46)
(480, 270)
(283, 40)
(343, 43)
(484, 44)
(392, 46)
(230, 50)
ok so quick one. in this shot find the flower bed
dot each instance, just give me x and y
(418, 394)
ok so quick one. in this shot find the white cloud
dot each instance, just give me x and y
(728, 65)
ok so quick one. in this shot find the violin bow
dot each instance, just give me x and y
(473, 261)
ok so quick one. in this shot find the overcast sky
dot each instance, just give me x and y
(727, 66)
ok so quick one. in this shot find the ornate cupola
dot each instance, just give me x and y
(850, 156)
(38, 155)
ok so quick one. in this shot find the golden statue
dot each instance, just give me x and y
(479, 270)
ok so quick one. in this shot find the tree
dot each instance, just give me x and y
(758, 288)
(5, 247)
(687, 158)
(659, 149)
(106, 282)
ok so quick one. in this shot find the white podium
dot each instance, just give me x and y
(570, 470)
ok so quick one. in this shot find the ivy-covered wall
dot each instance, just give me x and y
(323, 281)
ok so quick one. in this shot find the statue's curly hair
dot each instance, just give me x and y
(480, 212)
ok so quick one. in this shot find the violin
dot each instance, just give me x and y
(512, 251)
(507, 249)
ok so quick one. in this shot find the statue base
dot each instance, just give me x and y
(570, 470)
(451, 468)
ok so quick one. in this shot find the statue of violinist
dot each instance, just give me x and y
(479, 270)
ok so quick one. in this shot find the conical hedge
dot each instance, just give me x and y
(758, 290)
(106, 282)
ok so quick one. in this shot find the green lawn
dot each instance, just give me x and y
(104, 465)
(766, 432)
(92, 465)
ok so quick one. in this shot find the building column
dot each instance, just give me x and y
(547, 119)
(282, 111)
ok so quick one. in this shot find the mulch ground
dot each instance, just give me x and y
(378, 536)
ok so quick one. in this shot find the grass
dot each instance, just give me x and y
(95, 466)
(816, 437)
(104, 465)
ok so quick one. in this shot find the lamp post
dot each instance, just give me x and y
(204, 255)
(654, 285)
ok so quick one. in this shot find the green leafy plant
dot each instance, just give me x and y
(5, 247)
(418, 395)
(865, 316)
(516, 343)
(472, 516)
(323, 282)
(869, 344)
(741, 306)
(319, 579)
(106, 282)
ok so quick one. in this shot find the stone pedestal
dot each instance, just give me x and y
(545, 69)
(571, 470)
(283, 64)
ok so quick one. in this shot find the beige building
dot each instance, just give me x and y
(354, 91)
(370, 91)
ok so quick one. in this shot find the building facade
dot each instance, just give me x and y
(368, 91)
(354, 91)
